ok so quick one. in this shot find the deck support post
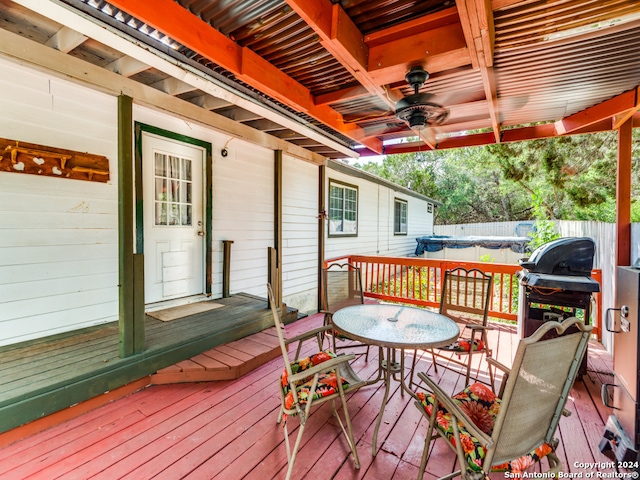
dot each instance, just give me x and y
(131, 263)
(277, 225)
(623, 194)
(322, 216)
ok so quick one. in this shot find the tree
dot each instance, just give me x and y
(569, 178)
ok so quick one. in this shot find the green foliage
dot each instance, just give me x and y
(544, 231)
(563, 178)
(487, 258)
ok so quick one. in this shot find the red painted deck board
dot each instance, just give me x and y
(227, 429)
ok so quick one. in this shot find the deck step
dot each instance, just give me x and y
(224, 362)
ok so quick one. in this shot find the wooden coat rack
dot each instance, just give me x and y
(23, 157)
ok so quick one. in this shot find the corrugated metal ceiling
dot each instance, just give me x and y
(549, 58)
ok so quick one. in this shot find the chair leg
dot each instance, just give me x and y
(427, 442)
(413, 367)
(348, 431)
(292, 455)
(469, 360)
(435, 364)
(491, 380)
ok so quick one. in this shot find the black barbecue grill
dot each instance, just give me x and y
(556, 283)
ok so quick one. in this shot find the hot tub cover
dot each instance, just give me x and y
(435, 243)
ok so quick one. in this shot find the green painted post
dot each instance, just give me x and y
(131, 265)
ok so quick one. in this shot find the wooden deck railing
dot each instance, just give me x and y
(417, 281)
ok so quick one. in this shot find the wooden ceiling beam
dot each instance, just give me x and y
(413, 27)
(619, 119)
(66, 40)
(209, 102)
(476, 18)
(173, 86)
(619, 105)
(523, 134)
(342, 39)
(182, 26)
(436, 50)
(127, 66)
(343, 95)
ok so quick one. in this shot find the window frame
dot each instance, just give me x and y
(344, 187)
(397, 226)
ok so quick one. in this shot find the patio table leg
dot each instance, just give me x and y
(390, 367)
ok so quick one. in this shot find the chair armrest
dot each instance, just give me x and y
(498, 365)
(473, 326)
(323, 367)
(308, 335)
(449, 405)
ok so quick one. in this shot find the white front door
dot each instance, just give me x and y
(173, 218)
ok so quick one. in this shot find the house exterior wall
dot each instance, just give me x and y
(300, 234)
(375, 234)
(59, 255)
(58, 237)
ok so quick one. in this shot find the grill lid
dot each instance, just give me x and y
(565, 256)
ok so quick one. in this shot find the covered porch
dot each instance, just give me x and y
(228, 430)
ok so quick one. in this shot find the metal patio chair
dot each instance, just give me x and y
(465, 299)
(341, 287)
(310, 381)
(510, 431)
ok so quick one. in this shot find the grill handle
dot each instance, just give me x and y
(608, 324)
(607, 396)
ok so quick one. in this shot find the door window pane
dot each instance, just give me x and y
(173, 195)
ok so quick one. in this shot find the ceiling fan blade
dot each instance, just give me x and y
(460, 97)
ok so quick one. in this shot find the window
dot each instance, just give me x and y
(400, 217)
(173, 203)
(343, 209)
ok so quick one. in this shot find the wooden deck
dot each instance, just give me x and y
(228, 430)
(47, 375)
(225, 362)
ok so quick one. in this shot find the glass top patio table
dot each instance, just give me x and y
(394, 327)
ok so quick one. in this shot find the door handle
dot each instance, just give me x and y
(608, 324)
(201, 234)
(606, 396)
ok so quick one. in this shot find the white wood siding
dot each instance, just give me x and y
(243, 212)
(58, 237)
(376, 221)
(300, 234)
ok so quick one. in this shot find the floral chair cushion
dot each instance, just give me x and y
(482, 407)
(464, 345)
(327, 382)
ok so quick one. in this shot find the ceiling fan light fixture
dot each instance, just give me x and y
(417, 121)
(421, 112)
(417, 109)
